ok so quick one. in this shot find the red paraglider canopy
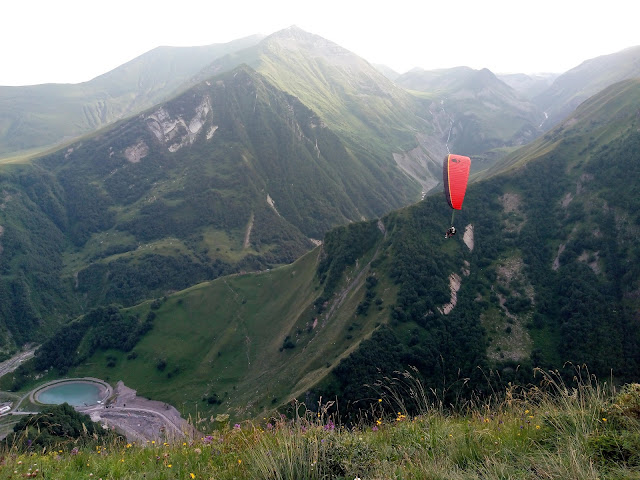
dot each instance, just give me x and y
(455, 173)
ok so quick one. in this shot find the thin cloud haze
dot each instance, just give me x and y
(72, 41)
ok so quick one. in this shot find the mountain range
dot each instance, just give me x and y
(295, 150)
(35, 117)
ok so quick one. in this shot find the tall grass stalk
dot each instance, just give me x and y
(577, 430)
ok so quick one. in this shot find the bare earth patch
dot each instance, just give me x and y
(468, 237)
(140, 419)
(454, 284)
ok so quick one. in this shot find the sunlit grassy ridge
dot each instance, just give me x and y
(580, 431)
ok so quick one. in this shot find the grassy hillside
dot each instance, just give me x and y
(603, 117)
(205, 339)
(552, 432)
(241, 344)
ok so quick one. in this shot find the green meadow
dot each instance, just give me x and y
(581, 431)
(241, 344)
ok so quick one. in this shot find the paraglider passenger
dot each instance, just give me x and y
(451, 232)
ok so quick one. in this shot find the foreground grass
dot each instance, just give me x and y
(585, 432)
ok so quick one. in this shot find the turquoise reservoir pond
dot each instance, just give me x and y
(74, 393)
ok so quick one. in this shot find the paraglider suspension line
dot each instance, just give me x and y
(452, 215)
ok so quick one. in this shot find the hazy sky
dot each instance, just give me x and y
(71, 41)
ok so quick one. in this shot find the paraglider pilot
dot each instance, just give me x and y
(451, 232)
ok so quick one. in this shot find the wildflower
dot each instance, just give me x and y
(537, 427)
(169, 466)
(198, 451)
(192, 475)
(128, 445)
(374, 428)
(604, 419)
(526, 412)
(237, 426)
(239, 461)
(379, 400)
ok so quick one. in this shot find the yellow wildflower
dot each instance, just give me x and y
(192, 475)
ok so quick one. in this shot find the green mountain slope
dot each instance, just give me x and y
(575, 86)
(387, 128)
(544, 271)
(38, 116)
(232, 175)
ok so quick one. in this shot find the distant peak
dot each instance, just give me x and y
(292, 31)
(295, 38)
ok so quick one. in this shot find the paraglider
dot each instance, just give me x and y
(455, 175)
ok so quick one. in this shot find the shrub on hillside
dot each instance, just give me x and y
(54, 426)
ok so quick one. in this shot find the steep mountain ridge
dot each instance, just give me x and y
(39, 116)
(372, 115)
(591, 76)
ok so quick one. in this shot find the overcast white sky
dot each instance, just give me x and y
(71, 41)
